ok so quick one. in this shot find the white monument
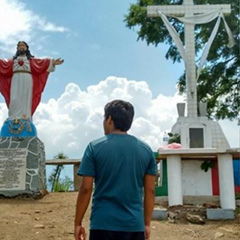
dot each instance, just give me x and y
(200, 137)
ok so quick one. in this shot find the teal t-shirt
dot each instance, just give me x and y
(118, 162)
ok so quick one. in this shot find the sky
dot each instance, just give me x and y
(103, 61)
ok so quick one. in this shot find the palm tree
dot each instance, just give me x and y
(55, 175)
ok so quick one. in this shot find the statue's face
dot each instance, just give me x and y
(21, 46)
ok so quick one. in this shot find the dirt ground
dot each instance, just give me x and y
(51, 218)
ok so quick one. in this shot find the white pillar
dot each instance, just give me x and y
(226, 181)
(189, 39)
(174, 172)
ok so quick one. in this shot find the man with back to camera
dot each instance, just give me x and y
(121, 166)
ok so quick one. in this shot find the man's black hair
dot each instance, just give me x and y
(28, 53)
(121, 113)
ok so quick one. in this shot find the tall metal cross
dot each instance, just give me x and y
(188, 9)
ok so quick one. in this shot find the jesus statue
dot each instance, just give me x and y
(22, 81)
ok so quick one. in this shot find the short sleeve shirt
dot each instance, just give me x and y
(118, 163)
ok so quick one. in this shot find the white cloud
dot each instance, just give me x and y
(68, 123)
(147, 131)
(49, 27)
(17, 21)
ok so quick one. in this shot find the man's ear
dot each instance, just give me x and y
(109, 120)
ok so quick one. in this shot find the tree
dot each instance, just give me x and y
(54, 178)
(219, 82)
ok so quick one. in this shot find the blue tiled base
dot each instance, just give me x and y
(18, 128)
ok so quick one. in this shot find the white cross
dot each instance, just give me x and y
(188, 9)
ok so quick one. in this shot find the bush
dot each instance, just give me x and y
(63, 185)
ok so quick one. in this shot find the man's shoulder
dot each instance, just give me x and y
(141, 142)
(98, 141)
(138, 142)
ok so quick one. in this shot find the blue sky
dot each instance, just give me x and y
(95, 44)
(103, 61)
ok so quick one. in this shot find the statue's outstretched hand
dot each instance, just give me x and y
(58, 61)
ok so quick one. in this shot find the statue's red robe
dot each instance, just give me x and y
(39, 74)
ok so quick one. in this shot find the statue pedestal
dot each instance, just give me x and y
(24, 128)
(22, 167)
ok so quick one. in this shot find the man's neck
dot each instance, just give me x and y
(118, 132)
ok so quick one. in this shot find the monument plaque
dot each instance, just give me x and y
(13, 169)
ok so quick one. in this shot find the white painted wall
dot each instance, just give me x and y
(194, 180)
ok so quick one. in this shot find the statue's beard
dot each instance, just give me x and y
(21, 52)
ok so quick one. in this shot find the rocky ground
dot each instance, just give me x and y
(51, 218)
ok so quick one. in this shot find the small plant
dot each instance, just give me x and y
(174, 138)
(63, 185)
(206, 165)
(237, 196)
